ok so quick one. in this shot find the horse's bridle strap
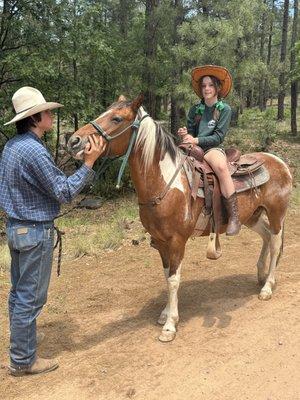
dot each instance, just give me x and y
(100, 130)
(136, 124)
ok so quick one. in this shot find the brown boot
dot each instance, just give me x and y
(234, 225)
(40, 366)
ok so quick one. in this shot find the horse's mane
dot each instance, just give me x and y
(152, 136)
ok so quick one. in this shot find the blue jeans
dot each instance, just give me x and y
(31, 249)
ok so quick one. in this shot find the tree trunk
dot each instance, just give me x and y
(75, 115)
(57, 135)
(175, 107)
(266, 83)
(261, 97)
(282, 77)
(175, 116)
(294, 83)
(150, 56)
(238, 84)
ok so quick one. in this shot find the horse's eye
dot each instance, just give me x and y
(117, 119)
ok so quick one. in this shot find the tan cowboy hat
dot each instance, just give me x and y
(28, 101)
(213, 70)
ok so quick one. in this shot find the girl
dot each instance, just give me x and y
(207, 125)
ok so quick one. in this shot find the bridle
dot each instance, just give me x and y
(135, 125)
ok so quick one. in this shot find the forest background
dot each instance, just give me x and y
(84, 53)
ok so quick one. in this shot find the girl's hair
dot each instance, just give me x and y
(216, 82)
(25, 124)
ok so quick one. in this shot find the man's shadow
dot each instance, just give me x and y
(212, 300)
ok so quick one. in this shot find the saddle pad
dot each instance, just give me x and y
(241, 183)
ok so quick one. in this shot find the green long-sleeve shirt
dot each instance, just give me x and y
(210, 133)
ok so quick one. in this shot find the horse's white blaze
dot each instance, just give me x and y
(173, 285)
(168, 168)
(281, 161)
(105, 113)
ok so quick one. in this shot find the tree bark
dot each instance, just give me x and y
(150, 56)
(269, 52)
(261, 97)
(282, 75)
(175, 106)
(294, 82)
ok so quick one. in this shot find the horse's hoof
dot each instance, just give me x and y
(265, 295)
(167, 336)
(162, 319)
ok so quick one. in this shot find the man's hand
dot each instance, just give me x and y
(93, 149)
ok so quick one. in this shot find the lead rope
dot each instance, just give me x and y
(58, 243)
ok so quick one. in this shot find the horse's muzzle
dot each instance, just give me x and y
(76, 146)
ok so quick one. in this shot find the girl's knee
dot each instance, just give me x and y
(221, 168)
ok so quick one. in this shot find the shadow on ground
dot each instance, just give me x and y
(212, 300)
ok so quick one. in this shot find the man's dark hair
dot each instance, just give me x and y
(25, 124)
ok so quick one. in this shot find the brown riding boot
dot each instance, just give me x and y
(234, 225)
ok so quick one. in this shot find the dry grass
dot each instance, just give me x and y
(4, 260)
(89, 232)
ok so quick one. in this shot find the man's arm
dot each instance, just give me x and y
(53, 181)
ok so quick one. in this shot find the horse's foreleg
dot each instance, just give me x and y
(162, 248)
(175, 253)
(275, 252)
(263, 229)
(165, 312)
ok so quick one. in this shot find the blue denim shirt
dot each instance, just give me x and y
(31, 185)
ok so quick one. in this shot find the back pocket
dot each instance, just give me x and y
(25, 238)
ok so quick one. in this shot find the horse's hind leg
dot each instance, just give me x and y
(263, 229)
(275, 252)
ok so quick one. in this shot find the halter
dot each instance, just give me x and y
(135, 126)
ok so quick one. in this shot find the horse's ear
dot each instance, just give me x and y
(121, 98)
(137, 102)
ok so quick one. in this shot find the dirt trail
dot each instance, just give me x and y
(100, 323)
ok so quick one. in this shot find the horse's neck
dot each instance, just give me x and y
(143, 180)
(152, 181)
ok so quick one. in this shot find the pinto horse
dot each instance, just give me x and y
(153, 162)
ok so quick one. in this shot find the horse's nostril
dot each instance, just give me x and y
(75, 141)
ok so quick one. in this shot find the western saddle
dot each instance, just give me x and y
(248, 173)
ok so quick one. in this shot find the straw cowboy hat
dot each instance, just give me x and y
(28, 101)
(213, 70)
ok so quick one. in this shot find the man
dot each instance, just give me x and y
(31, 190)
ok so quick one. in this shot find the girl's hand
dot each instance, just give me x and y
(182, 131)
(189, 139)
